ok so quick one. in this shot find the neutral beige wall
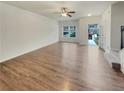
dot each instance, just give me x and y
(24, 31)
(117, 21)
(0, 33)
(83, 28)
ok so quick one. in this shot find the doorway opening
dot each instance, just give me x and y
(93, 34)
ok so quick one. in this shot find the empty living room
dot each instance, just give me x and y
(61, 46)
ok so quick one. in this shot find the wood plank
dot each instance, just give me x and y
(61, 66)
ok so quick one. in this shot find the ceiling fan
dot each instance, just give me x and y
(66, 12)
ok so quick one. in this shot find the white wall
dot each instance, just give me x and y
(112, 19)
(117, 21)
(68, 23)
(24, 31)
(83, 28)
(106, 29)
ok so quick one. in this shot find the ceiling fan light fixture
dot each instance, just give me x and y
(64, 14)
(89, 14)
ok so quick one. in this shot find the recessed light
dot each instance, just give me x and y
(89, 14)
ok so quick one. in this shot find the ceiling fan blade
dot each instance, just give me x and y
(71, 12)
(69, 15)
(56, 12)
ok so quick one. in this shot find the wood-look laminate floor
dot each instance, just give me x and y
(61, 66)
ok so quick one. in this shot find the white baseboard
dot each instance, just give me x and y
(80, 43)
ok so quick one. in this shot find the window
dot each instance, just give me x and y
(69, 31)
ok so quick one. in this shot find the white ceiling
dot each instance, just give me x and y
(49, 8)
